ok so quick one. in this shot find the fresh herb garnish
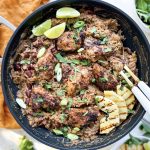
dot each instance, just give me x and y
(85, 113)
(72, 136)
(80, 50)
(143, 10)
(64, 102)
(144, 127)
(103, 40)
(75, 37)
(130, 111)
(94, 30)
(106, 50)
(25, 144)
(135, 141)
(75, 61)
(60, 92)
(25, 62)
(85, 62)
(70, 101)
(63, 117)
(47, 86)
(93, 80)
(42, 68)
(96, 100)
(82, 92)
(84, 100)
(79, 24)
(38, 100)
(57, 132)
(60, 58)
(58, 72)
(104, 80)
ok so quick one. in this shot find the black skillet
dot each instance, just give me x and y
(135, 40)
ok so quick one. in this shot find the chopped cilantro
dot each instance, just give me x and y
(23, 62)
(85, 62)
(94, 30)
(47, 86)
(104, 80)
(25, 144)
(38, 100)
(130, 111)
(60, 92)
(43, 68)
(93, 80)
(75, 61)
(79, 24)
(70, 101)
(82, 92)
(63, 117)
(60, 58)
(84, 100)
(106, 50)
(103, 40)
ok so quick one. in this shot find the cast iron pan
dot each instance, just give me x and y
(135, 40)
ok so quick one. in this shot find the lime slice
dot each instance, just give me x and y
(56, 31)
(146, 146)
(40, 29)
(67, 12)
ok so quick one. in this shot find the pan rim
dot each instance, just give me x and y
(3, 76)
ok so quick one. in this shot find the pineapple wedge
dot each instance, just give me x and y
(120, 102)
(111, 119)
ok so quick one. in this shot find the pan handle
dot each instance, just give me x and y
(7, 23)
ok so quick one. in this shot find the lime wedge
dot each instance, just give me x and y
(55, 31)
(40, 29)
(147, 146)
(67, 12)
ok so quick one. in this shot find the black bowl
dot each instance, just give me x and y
(135, 40)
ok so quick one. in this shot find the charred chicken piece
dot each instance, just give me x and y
(69, 41)
(94, 50)
(79, 79)
(43, 99)
(45, 65)
(80, 117)
(104, 79)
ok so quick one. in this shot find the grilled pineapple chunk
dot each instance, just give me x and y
(127, 95)
(120, 102)
(111, 119)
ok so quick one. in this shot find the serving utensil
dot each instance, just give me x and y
(140, 89)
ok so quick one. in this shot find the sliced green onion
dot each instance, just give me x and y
(72, 136)
(79, 24)
(57, 132)
(41, 52)
(58, 72)
(80, 50)
(106, 50)
(21, 103)
(23, 62)
(103, 80)
(76, 129)
(64, 102)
